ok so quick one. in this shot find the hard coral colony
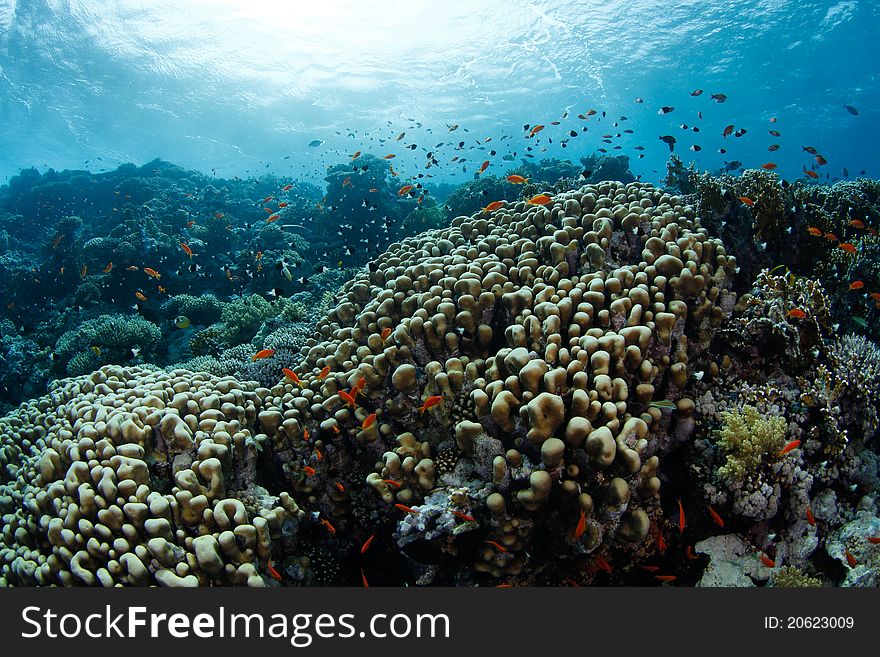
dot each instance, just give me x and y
(580, 389)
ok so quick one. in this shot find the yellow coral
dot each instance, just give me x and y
(746, 438)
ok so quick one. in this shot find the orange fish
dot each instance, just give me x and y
(263, 353)
(812, 174)
(161, 289)
(339, 486)
(681, 520)
(356, 155)
(767, 561)
(494, 205)
(517, 180)
(715, 517)
(832, 237)
(83, 271)
(821, 161)
(661, 542)
(324, 372)
(190, 223)
(186, 249)
(581, 525)
(875, 296)
(855, 223)
(850, 559)
(347, 182)
(650, 569)
(856, 285)
(347, 398)
(665, 578)
(874, 540)
(403, 190)
(385, 333)
(602, 563)
(810, 519)
(272, 217)
(329, 526)
(483, 166)
(390, 156)
(109, 267)
(268, 198)
(769, 166)
(849, 248)
(727, 131)
(540, 199)
(796, 313)
(290, 374)
(393, 483)
(219, 215)
(281, 205)
(272, 572)
(794, 444)
(496, 545)
(140, 296)
(747, 200)
(306, 435)
(309, 470)
(463, 516)
(815, 232)
(368, 421)
(536, 130)
(364, 580)
(689, 553)
(408, 509)
(367, 543)
(152, 272)
(287, 187)
(430, 402)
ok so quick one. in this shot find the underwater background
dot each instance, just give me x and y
(461, 293)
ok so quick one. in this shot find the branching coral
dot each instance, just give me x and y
(748, 440)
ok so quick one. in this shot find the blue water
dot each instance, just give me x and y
(235, 87)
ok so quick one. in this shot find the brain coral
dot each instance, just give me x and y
(554, 343)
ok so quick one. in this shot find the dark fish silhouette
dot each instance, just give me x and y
(852, 110)
(665, 110)
(669, 140)
(719, 98)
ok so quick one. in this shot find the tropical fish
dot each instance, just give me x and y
(874, 540)
(367, 543)
(661, 542)
(272, 218)
(97, 350)
(263, 353)
(796, 313)
(364, 580)
(535, 130)
(669, 140)
(857, 285)
(356, 155)
(390, 156)
(747, 200)
(663, 403)
(516, 179)
(696, 92)
(581, 525)
(775, 133)
(852, 110)
(832, 237)
(385, 333)
(719, 98)
(347, 182)
(328, 526)
(287, 187)
(403, 190)
(272, 572)
(310, 471)
(815, 232)
(182, 321)
(794, 444)
(602, 563)
(773, 147)
(715, 517)
(855, 223)
(665, 110)
(140, 296)
(649, 568)
(727, 131)
(821, 161)
(430, 402)
(850, 559)
(463, 516)
(324, 372)
(810, 519)
(689, 552)
(767, 561)
(812, 174)
(152, 272)
(540, 199)
(849, 248)
(290, 374)
(109, 267)
(496, 545)
(393, 483)
(186, 249)
(665, 578)
(339, 486)
(368, 421)
(769, 166)
(315, 143)
(483, 167)
(404, 507)
(681, 519)
(347, 398)
(283, 204)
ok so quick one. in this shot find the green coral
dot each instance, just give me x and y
(106, 339)
(746, 438)
(793, 578)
